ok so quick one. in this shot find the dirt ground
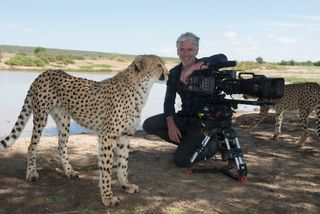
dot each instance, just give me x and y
(281, 177)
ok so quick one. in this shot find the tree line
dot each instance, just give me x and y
(260, 60)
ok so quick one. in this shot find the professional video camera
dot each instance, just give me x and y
(211, 81)
(215, 84)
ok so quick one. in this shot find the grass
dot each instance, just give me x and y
(24, 60)
(56, 199)
(41, 60)
(249, 65)
(96, 67)
(301, 80)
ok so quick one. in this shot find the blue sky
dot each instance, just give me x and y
(274, 30)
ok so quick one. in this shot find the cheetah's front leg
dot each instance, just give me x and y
(122, 155)
(261, 116)
(106, 145)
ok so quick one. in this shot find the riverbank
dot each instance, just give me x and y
(78, 65)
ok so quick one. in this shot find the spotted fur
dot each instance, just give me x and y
(304, 97)
(111, 108)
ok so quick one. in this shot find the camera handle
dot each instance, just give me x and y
(235, 155)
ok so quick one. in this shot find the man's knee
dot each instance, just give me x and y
(147, 126)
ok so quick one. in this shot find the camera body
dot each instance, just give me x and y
(212, 82)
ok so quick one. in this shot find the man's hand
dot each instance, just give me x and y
(186, 72)
(173, 131)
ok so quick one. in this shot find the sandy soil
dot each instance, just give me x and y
(281, 177)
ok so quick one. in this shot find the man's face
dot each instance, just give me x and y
(187, 53)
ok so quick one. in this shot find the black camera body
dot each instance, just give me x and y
(212, 82)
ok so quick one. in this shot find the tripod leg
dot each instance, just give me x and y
(235, 156)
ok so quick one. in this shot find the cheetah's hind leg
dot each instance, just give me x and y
(304, 114)
(40, 119)
(62, 119)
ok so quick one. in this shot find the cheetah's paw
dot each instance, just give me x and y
(111, 201)
(72, 174)
(32, 176)
(131, 188)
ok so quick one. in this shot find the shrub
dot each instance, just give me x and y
(23, 60)
(39, 50)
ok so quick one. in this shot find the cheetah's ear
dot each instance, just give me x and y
(139, 63)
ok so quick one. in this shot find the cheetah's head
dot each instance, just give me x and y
(150, 67)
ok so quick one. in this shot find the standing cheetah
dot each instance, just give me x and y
(304, 97)
(111, 108)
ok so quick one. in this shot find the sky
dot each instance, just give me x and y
(243, 30)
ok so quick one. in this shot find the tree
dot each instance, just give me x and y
(39, 50)
(259, 60)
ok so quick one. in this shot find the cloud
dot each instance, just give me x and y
(13, 26)
(20, 28)
(283, 24)
(283, 40)
(230, 35)
(310, 18)
(165, 50)
(27, 29)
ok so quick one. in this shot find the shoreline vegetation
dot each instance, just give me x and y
(38, 59)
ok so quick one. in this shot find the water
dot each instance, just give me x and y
(14, 87)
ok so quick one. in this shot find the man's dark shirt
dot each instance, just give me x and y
(190, 101)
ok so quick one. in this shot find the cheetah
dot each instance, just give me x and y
(111, 108)
(304, 97)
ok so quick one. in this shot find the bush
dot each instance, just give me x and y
(39, 50)
(23, 60)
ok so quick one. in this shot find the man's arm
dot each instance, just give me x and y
(202, 64)
(196, 66)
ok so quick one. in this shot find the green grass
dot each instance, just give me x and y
(24, 60)
(30, 50)
(96, 67)
(41, 60)
(178, 211)
(56, 199)
(86, 211)
(249, 65)
(301, 80)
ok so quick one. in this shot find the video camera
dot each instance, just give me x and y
(212, 81)
(216, 84)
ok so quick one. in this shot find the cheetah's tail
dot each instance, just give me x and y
(19, 125)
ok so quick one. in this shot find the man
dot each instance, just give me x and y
(182, 128)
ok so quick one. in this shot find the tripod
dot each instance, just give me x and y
(230, 143)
